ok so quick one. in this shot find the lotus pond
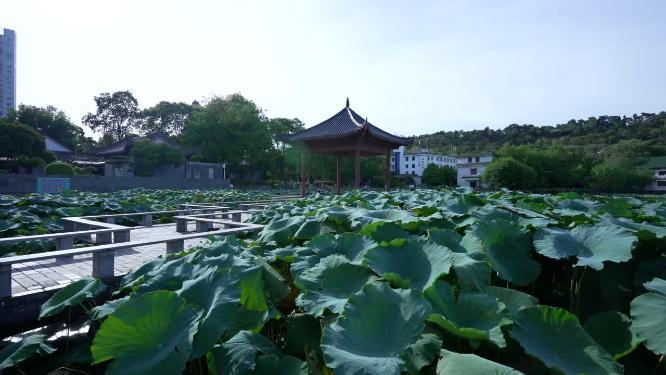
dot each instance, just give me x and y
(431, 282)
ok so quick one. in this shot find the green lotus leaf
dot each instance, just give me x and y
(642, 230)
(303, 335)
(26, 217)
(72, 295)
(7, 226)
(592, 245)
(148, 334)
(471, 274)
(217, 292)
(309, 229)
(19, 351)
(271, 364)
(102, 311)
(556, 337)
(329, 284)
(422, 353)
(455, 363)
(281, 231)
(612, 330)
(506, 247)
(648, 314)
(352, 245)
(462, 204)
(473, 315)
(70, 211)
(514, 300)
(489, 213)
(361, 217)
(376, 327)
(384, 231)
(240, 352)
(416, 263)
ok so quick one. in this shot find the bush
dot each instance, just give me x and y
(434, 175)
(29, 162)
(18, 139)
(509, 173)
(59, 169)
(613, 178)
(148, 155)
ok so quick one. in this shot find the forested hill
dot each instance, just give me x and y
(593, 133)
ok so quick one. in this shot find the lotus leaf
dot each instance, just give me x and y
(19, 351)
(72, 295)
(648, 314)
(612, 330)
(455, 363)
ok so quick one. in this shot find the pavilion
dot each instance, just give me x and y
(347, 134)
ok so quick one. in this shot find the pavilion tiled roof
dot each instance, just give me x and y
(342, 124)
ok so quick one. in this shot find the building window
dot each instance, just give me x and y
(413, 172)
(413, 158)
(406, 158)
(661, 173)
(469, 159)
(473, 184)
(477, 159)
(413, 165)
(472, 171)
(661, 183)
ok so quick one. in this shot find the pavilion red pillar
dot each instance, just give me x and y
(302, 173)
(357, 170)
(337, 174)
(387, 177)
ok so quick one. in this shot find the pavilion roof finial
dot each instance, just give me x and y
(347, 102)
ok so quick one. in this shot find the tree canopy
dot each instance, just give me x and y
(435, 175)
(116, 114)
(167, 117)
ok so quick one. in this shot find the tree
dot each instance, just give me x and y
(167, 117)
(52, 122)
(435, 175)
(510, 173)
(231, 130)
(18, 139)
(116, 114)
(148, 155)
(614, 178)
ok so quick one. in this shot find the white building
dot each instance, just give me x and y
(657, 165)
(470, 169)
(7, 71)
(413, 163)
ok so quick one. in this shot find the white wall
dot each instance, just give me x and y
(470, 169)
(415, 163)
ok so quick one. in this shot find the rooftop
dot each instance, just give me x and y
(656, 162)
(343, 124)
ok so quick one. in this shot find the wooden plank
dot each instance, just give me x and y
(52, 236)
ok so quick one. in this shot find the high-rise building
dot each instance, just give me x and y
(7, 71)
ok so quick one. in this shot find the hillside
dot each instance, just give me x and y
(594, 134)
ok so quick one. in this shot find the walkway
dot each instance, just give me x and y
(44, 275)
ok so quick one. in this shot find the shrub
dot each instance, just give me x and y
(18, 139)
(609, 177)
(59, 169)
(29, 162)
(434, 175)
(510, 173)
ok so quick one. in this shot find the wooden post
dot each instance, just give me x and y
(103, 238)
(175, 246)
(357, 169)
(302, 173)
(387, 178)
(181, 225)
(121, 236)
(337, 174)
(64, 243)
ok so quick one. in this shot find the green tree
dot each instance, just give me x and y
(148, 155)
(52, 122)
(614, 178)
(116, 114)
(18, 139)
(434, 175)
(167, 117)
(510, 173)
(232, 130)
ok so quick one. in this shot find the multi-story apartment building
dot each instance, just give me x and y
(413, 163)
(657, 165)
(7, 71)
(470, 169)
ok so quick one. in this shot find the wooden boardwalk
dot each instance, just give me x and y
(44, 275)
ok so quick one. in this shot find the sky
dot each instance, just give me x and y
(411, 67)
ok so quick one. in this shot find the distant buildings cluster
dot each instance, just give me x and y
(7, 71)
(413, 163)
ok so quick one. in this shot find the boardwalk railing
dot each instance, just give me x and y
(111, 237)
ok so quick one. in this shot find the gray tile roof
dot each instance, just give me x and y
(342, 124)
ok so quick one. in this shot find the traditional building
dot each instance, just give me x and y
(119, 161)
(347, 134)
(61, 151)
(470, 168)
(414, 162)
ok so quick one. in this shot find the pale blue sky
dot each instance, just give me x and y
(411, 66)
